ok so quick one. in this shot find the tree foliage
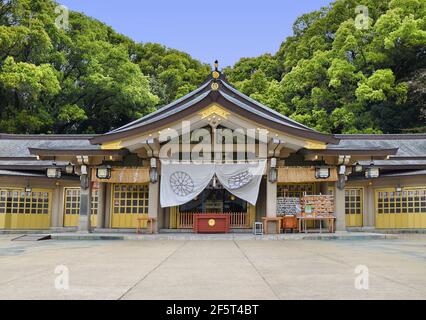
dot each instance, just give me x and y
(82, 79)
(337, 78)
(330, 75)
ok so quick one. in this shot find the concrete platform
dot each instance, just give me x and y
(229, 236)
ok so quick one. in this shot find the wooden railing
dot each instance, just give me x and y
(238, 220)
(185, 220)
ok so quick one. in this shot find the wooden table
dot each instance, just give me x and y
(266, 220)
(330, 220)
(149, 221)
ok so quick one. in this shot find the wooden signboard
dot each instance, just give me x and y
(125, 175)
(302, 175)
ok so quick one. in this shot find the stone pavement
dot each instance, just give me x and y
(211, 269)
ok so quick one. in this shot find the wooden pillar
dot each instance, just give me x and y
(85, 202)
(108, 206)
(271, 205)
(369, 207)
(153, 203)
(271, 199)
(339, 198)
(100, 222)
(57, 207)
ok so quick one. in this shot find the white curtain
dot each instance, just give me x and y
(180, 182)
(242, 180)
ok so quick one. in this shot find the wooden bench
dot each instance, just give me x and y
(149, 221)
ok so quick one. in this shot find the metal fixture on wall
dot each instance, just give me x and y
(273, 173)
(153, 172)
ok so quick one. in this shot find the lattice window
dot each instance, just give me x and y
(72, 201)
(17, 201)
(295, 190)
(406, 201)
(130, 199)
(95, 202)
(3, 201)
(354, 201)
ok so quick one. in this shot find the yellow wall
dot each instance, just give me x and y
(388, 221)
(402, 217)
(25, 210)
(53, 186)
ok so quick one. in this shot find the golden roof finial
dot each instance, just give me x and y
(216, 73)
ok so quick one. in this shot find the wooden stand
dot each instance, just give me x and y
(330, 221)
(149, 221)
(277, 221)
(289, 222)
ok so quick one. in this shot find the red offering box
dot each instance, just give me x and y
(211, 223)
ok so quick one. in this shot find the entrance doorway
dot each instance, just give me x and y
(214, 200)
(129, 202)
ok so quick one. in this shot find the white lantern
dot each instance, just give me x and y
(322, 172)
(103, 172)
(357, 168)
(69, 168)
(153, 172)
(53, 172)
(273, 175)
(372, 172)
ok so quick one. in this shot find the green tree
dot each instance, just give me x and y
(337, 78)
(86, 79)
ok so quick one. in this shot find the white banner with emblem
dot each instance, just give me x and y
(182, 182)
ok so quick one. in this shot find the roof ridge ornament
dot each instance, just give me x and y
(216, 72)
(215, 76)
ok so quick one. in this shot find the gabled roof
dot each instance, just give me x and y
(225, 95)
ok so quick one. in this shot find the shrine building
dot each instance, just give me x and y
(214, 152)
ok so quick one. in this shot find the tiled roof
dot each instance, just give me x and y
(16, 146)
(204, 94)
(408, 145)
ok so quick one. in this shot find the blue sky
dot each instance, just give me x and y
(222, 29)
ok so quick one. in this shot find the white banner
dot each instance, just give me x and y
(180, 183)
